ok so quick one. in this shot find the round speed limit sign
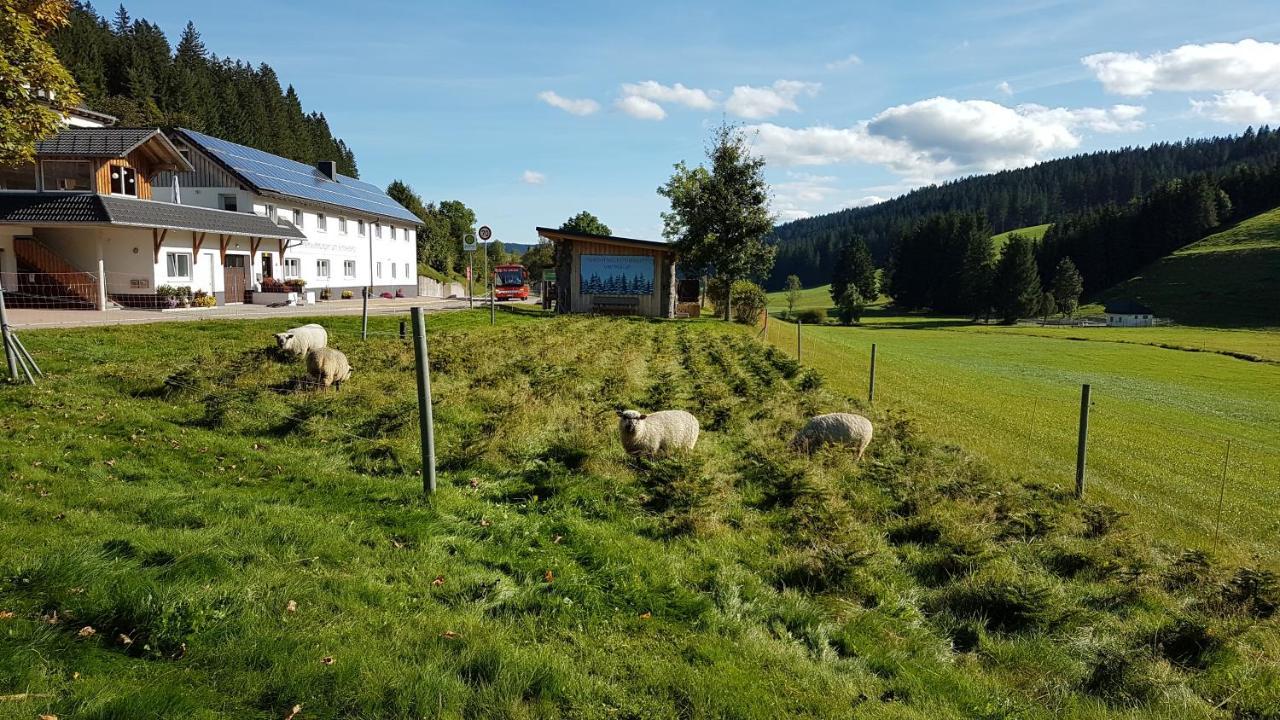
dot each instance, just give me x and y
(485, 233)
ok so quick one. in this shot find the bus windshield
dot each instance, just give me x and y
(510, 277)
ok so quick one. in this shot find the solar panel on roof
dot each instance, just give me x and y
(290, 177)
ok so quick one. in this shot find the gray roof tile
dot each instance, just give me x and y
(95, 142)
(84, 208)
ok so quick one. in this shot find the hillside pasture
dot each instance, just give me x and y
(189, 535)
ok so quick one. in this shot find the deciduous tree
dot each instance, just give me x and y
(585, 222)
(30, 67)
(793, 294)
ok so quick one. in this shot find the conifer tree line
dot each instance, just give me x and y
(1012, 199)
(125, 67)
(946, 262)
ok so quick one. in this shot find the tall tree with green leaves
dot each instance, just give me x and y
(1016, 284)
(1067, 286)
(585, 222)
(28, 64)
(854, 267)
(719, 216)
(793, 293)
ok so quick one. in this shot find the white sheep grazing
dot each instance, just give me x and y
(657, 434)
(302, 339)
(326, 366)
(834, 429)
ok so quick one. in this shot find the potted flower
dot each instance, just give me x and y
(168, 295)
(324, 294)
(294, 284)
(347, 294)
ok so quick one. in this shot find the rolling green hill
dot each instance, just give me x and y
(1034, 232)
(1228, 279)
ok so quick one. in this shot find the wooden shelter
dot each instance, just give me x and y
(608, 275)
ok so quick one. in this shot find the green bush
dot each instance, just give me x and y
(347, 294)
(748, 302)
(812, 316)
(851, 307)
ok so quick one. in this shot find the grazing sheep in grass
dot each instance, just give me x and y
(326, 366)
(302, 339)
(657, 434)
(834, 429)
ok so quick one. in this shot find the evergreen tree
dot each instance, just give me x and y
(854, 267)
(976, 272)
(1016, 284)
(1067, 286)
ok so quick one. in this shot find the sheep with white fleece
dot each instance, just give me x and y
(302, 339)
(834, 429)
(327, 366)
(657, 434)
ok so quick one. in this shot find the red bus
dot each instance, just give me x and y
(511, 282)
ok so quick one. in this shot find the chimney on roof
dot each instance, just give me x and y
(329, 169)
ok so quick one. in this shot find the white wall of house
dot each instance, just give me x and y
(9, 261)
(1128, 320)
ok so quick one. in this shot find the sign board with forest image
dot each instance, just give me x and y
(616, 275)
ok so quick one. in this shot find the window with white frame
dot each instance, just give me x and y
(348, 268)
(322, 268)
(360, 227)
(342, 225)
(178, 265)
(378, 267)
(292, 268)
(377, 228)
(297, 218)
(322, 222)
(124, 180)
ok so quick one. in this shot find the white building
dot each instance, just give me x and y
(103, 218)
(1128, 313)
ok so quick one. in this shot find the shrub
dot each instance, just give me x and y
(295, 284)
(203, 299)
(272, 285)
(852, 305)
(748, 302)
(812, 316)
(347, 294)
(387, 296)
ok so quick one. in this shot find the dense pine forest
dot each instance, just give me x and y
(125, 67)
(1019, 198)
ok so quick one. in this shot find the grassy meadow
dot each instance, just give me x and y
(1228, 279)
(190, 536)
(1166, 403)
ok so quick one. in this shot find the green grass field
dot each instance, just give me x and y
(1034, 232)
(1229, 279)
(189, 536)
(1161, 422)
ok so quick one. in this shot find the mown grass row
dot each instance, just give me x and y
(260, 548)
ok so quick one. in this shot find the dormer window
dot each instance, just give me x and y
(67, 175)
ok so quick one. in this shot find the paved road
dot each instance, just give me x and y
(40, 318)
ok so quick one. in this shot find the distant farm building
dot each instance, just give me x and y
(1128, 313)
(608, 275)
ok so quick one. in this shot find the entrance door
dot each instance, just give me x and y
(234, 270)
(266, 266)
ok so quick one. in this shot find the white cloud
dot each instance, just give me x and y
(942, 137)
(1243, 107)
(845, 62)
(1215, 67)
(761, 102)
(678, 93)
(1004, 87)
(641, 108)
(584, 106)
(532, 177)
(865, 201)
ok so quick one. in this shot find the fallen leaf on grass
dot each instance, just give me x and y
(549, 576)
(60, 516)
(451, 635)
(124, 640)
(109, 463)
(52, 617)
(6, 614)
(291, 606)
(557, 539)
(327, 660)
(48, 717)
(87, 631)
(646, 615)
(438, 581)
(484, 523)
(475, 482)
(293, 713)
(24, 696)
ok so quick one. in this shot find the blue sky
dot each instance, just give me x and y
(530, 112)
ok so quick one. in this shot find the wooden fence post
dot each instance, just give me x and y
(1084, 439)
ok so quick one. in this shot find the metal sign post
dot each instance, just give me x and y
(469, 247)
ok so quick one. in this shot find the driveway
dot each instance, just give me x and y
(41, 318)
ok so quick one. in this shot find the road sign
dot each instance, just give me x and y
(469, 243)
(485, 233)
(549, 275)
